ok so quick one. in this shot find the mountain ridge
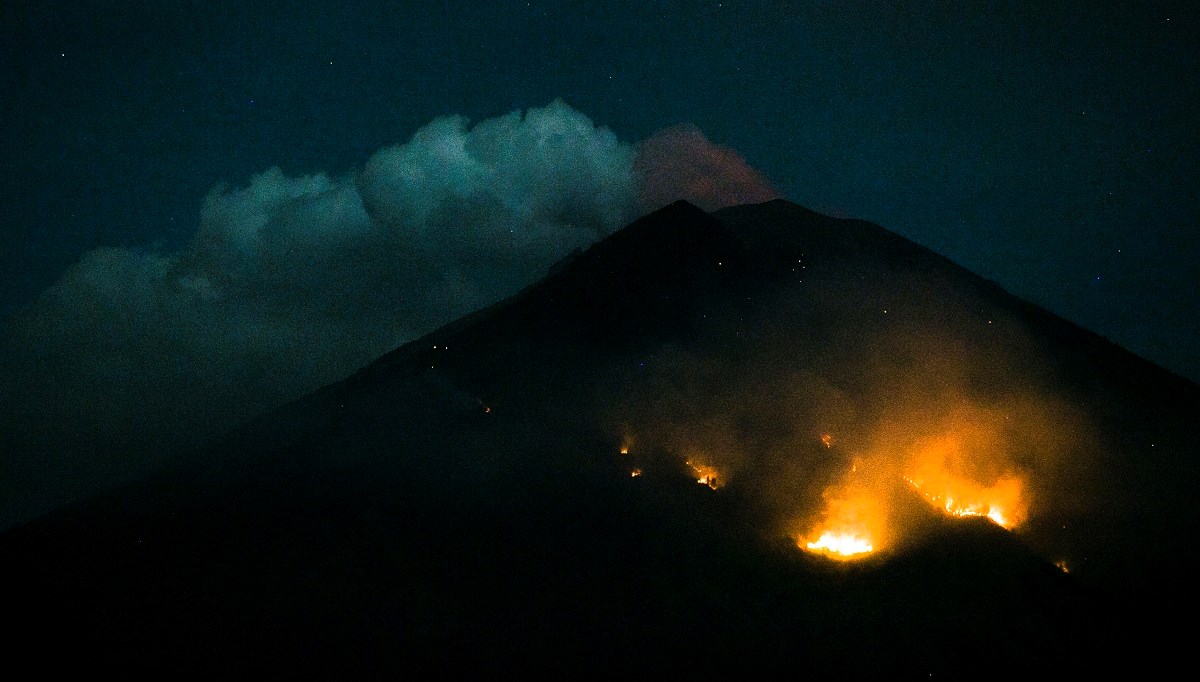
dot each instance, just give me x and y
(481, 462)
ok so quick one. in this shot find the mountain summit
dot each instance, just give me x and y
(753, 441)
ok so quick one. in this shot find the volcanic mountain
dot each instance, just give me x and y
(756, 441)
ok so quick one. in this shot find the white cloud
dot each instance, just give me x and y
(294, 282)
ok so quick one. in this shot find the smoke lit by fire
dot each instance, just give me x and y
(862, 463)
(961, 463)
(975, 500)
(626, 443)
(945, 471)
(704, 473)
(854, 521)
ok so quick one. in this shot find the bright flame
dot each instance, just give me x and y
(1062, 566)
(974, 499)
(635, 473)
(934, 474)
(704, 474)
(840, 545)
(827, 440)
(854, 523)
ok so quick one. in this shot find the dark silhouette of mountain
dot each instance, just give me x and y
(462, 504)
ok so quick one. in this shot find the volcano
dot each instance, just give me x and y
(757, 441)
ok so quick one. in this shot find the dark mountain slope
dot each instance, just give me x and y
(462, 502)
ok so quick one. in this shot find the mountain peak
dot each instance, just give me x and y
(638, 446)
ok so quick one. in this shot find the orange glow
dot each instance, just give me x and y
(827, 440)
(624, 449)
(635, 473)
(854, 523)
(704, 474)
(1062, 566)
(942, 473)
(626, 443)
(840, 546)
(851, 528)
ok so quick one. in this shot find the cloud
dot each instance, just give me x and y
(679, 162)
(290, 283)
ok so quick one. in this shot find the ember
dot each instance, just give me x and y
(704, 474)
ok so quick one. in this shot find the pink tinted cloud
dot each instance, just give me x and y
(680, 163)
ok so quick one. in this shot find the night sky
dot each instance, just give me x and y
(211, 208)
(1051, 148)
